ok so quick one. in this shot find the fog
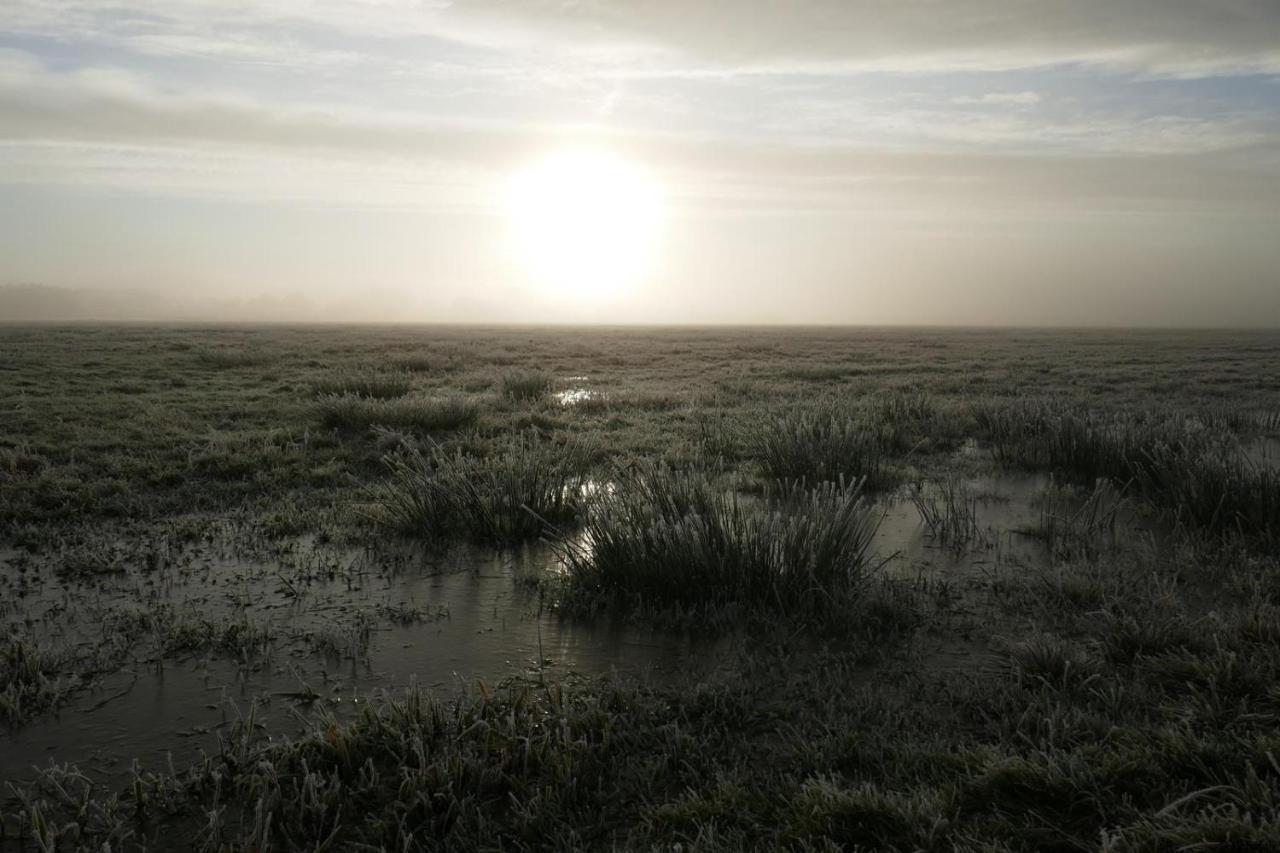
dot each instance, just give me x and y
(863, 163)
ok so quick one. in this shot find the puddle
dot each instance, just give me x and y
(1005, 508)
(574, 396)
(342, 625)
(1004, 504)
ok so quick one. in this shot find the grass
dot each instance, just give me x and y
(950, 511)
(505, 497)
(375, 384)
(28, 681)
(430, 414)
(1075, 527)
(526, 385)
(1121, 696)
(663, 538)
(1197, 477)
(821, 446)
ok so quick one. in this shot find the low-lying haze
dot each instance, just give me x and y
(973, 162)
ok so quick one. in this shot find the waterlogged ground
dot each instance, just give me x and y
(187, 545)
(176, 646)
(176, 642)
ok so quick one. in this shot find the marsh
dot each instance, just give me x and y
(784, 587)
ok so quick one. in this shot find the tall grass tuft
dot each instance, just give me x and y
(1196, 474)
(375, 384)
(677, 540)
(502, 498)
(351, 412)
(1220, 492)
(526, 385)
(821, 447)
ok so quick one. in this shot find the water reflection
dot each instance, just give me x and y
(469, 614)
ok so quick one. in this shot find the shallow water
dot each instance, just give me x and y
(341, 623)
(1006, 503)
(466, 616)
(1008, 508)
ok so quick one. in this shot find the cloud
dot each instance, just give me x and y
(1173, 37)
(120, 131)
(1017, 99)
(1185, 37)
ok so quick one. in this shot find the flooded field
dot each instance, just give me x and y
(678, 579)
(319, 629)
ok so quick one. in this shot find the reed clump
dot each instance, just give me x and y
(1194, 473)
(504, 497)
(823, 446)
(374, 384)
(669, 539)
(431, 414)
(526, 385)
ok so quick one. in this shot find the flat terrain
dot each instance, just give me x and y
(544, 588)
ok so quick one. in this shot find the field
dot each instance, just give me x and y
(402, 588)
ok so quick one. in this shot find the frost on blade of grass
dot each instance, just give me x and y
(525, 385)
(821, 446)
(1197, 475)
(950, 511)
(375, 384)
(662, 537)
(352, 412)
(507, 496)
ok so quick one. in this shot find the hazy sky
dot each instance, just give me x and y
(836, 161)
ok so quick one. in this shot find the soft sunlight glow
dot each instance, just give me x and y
(585, 223)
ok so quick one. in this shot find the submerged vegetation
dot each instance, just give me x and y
(1059, 633)
(1195, 473)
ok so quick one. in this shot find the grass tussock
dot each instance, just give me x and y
(526, 385)
(666, 539)
(28, 680)
(1200, 479)
(375, 384)
(504, 497)
(818, 447)
(431, 414)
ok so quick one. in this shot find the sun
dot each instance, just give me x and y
(584, 223)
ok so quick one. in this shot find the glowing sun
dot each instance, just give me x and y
(585, 223)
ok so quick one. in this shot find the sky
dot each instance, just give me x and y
(974, 162)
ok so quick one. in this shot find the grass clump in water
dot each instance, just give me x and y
(950, 510)
(821, 447)
(27, 684)
(677, 540)
(1198, 479)
(353, 412)
(505, 497)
